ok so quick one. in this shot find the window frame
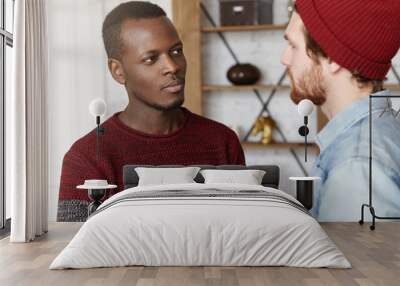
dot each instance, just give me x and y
(6, 39)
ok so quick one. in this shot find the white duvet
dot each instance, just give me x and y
(183, 231)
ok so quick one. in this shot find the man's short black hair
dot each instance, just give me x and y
(112, 23)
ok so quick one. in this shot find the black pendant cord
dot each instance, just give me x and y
(99, 132)
(256, 92)
(305, 148)
(98, 138)
(97, 148)
(370, 205)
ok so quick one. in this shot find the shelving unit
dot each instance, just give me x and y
(392, 86)
(238, 88)
(209, 88)
(279, 145)
(243, 28)
(191, 33)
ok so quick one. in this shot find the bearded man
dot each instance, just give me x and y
(339, 52)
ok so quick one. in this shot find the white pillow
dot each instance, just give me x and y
(248, 177)
(163, 176)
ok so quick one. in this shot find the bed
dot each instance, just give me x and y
(201, 224)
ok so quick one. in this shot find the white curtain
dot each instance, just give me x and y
(27, 122)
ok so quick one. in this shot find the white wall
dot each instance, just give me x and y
(78, 73)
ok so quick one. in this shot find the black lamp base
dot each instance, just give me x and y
(96, 195)
(304, 190)
(304, 193)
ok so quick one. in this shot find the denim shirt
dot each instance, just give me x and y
(343, 163)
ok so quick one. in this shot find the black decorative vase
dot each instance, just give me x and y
(243, 74)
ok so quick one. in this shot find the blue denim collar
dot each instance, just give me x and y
(346, 118)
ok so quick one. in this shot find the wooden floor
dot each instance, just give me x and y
(374, 255)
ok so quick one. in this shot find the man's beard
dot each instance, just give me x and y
(309, 86)
(172, 106)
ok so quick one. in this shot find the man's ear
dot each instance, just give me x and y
(333, 67)
(117, 71)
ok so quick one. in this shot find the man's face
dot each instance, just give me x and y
(305, 75)
(153, 62)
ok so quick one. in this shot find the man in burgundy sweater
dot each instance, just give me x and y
(145, 54)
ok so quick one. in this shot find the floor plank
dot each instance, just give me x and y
(374, 255)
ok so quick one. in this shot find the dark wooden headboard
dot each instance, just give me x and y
(270, 179)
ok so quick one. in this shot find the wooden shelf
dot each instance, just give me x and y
(392, 86)
(278, 145)
(243, 28)
(243, 87)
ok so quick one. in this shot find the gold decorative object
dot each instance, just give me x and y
(264, 124)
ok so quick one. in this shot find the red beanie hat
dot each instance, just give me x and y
(360, 35)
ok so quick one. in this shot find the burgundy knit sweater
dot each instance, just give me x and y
(200, 141)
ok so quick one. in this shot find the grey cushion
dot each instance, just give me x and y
(270, 179)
